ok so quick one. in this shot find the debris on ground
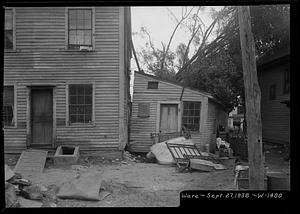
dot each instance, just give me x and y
(163, 154)
(29, 203)
(86, 187)
(11, 199)
(128, 157)
(33, 192)
(204, 165)
(8, 173)
(20, 192)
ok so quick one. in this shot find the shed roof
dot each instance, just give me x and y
(181, 85)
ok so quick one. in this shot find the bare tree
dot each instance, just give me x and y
(185, 15)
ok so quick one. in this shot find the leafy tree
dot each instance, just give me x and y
(217, 67)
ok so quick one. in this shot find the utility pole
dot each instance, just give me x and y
(252, 99)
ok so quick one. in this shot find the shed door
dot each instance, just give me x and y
(168, 118)
(41, 117)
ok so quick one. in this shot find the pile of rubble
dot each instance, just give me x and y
(20, 192)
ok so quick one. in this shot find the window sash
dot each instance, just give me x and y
(9, 34)
(8, 106)
(80, 103)
(191, 115)
(79, 28)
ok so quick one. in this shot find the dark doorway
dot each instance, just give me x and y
(41, 117)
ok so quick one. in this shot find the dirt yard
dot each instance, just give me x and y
(134, 184)
(140, 184)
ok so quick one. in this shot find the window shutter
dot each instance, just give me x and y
(144, 110)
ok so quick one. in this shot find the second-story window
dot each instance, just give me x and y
(80, 29)
(8, 39)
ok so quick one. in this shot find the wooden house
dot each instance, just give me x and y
(66, 78)
(161, 106)
(274, 80)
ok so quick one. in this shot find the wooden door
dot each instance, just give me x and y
(41, 117)
(168, 118)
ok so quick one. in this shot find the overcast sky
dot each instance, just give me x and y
(160, 24)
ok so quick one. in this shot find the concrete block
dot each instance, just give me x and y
(66, 155)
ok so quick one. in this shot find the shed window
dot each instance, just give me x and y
(143, 109)
(8, 106)
(286, 83)
(272, 93)
(80, 103)
(80, 28)
(8, 38)
(152, 85)
(191, 115)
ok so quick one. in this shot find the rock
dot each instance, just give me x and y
(150, 155)
(11, 199)
(22, 182)
(32, 192)
(29, 203)
(8, 173)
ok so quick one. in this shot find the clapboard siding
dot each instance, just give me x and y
(275, 116)
(166, 92)
(41, 58)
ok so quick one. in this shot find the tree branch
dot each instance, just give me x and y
(170, 40)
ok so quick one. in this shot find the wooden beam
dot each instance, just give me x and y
(135, 56)
(252, 98)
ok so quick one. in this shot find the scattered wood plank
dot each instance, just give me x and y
(31, 162)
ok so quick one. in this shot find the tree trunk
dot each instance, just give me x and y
(252, 99)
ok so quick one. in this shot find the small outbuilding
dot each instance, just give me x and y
(163, 106)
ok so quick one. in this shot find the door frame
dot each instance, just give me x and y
(158, 113)
(29, 131)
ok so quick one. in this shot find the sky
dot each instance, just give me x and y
(160, 23)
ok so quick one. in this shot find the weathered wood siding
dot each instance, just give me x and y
(166, 92)
(275, 115)
(216, 116)
(41, 58)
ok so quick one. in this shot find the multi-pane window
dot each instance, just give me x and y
(80, 103)
(286, 83)
(8, 106)
(80, 28)
(8, 37)
(191, 115)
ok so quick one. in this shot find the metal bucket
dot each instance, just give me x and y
(278, 181)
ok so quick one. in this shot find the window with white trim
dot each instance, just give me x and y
(8, 33)
(8, 106)
(80, 28)
(80, 103)
(191, 115)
